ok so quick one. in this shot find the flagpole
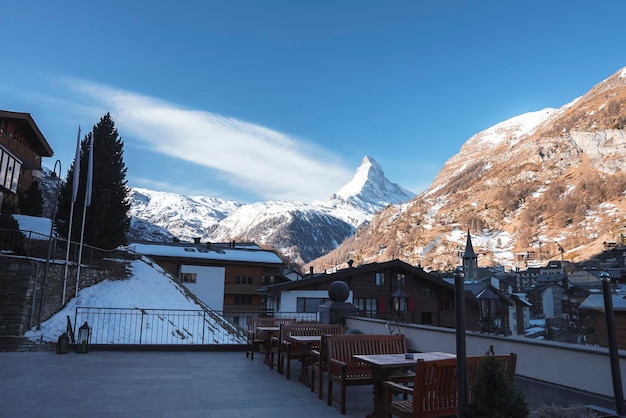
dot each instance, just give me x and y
(74, 193)
(87, 202)
(80, 248)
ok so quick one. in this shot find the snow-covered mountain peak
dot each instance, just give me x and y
(370, 189)
(512, 129)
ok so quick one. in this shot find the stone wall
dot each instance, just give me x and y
(21, 282)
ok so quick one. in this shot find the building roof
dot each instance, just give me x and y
(206, 252)
(520, 300)
(350, 271)
(595, 302)
(40, 145)
(469, 248)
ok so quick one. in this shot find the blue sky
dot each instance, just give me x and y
(281, 99)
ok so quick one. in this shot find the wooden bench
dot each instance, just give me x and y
(291, 350)
(434, 392)
(344, 370)
(255, 337)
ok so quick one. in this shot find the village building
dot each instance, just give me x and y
(223, 276)
(22, 146)
(429, 299)
(596, 322)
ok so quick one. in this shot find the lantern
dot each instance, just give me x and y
(63, 343)
(488, 300)
(82, 341)
(399, 300)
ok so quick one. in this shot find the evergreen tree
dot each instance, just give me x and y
(493, 394)
(106, 220)
(31, 202)
(11, 238)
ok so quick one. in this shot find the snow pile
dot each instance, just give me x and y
(149, 287)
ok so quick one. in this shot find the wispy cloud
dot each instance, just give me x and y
(250, 157)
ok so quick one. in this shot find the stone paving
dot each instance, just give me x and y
(159, 384)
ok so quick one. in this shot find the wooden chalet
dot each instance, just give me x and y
(595, 321)
(224, 276)
(22, 146)
(430, 300)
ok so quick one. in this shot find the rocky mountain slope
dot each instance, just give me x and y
(546, 184)
(300, 231)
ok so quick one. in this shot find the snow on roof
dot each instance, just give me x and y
(207, 253)
(595, 301)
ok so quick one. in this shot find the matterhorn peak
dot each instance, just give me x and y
(370, 189)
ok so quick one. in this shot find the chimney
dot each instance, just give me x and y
(350, 263)
(311, 270)
(196, 240)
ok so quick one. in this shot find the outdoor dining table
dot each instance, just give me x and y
(382, 367)
(269, 332)
(307, 341)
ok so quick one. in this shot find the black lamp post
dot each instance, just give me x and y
(461, 369)
(54, 214)
(618, 391)
(82, 341)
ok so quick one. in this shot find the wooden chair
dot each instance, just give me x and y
(319, 364)
(344, 370)
(256, 338)
(294, 351)
(434, 392)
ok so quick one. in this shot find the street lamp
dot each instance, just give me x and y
(488, 300)
(461, 372)
(399, 299)
(613, 353)
(54, 214)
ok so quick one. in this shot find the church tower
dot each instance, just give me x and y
(470, 260)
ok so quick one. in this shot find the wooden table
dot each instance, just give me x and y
(307, 341)
(268, 331)
(384, 364)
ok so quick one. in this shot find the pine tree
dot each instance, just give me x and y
(11, 238)
(106, 220)
(493, 394)
(31, 202)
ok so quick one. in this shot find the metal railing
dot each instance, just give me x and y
(126, 326)
(31, 244)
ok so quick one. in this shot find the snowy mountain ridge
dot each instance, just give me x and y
(541, 185)
(299, 230)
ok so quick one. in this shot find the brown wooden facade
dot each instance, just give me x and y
(430, 300)
(22, 146)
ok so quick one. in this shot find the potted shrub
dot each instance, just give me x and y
(492, 394)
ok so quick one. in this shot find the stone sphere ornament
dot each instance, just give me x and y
(338, 291)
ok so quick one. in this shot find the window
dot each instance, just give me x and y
(447, 302)
(243, 280)
(369, 305)
(380, 279)
(190, 250)
(309, 304)
(427, 318)
(427, 291)
(243, 299)
(401, 279)
(188, 277)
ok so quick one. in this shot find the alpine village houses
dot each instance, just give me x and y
(22, 146)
